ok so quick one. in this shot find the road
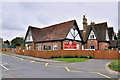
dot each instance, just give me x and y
(23, 68)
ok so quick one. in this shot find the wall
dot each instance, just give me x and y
(73, 42)
(33, 46)
(102, 45)
(92, 43)
(112, 54)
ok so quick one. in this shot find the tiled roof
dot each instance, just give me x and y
(54, 32)
(110, 32)
(99, 29)
(113, 43)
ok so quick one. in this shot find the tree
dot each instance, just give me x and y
(18, 41)
(7, 42)
(118, 36)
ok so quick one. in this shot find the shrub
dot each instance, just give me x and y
(68, 56)
(90, 57)
(105, 49)
(76, 56)
(81, 56)
(59, 56)
(55, 56)
(52, 57)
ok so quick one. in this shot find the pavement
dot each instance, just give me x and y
(33, 58)
(18, 66)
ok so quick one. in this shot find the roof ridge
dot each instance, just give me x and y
(57, 24)
(34, 27)
(98, 23)
(53, 24)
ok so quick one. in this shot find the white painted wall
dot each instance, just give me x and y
(91, 33)
(73, 33)
(107, 38)
(29, 37)
(112, 36)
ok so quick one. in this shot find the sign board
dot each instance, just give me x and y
(70, 46)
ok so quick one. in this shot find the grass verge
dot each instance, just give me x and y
(71, 59)
(115, 65)
(4, 52)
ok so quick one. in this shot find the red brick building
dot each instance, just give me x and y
(98, 36)
(63, 36)
(68, 36)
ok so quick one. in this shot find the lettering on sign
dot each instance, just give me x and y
(70, 46)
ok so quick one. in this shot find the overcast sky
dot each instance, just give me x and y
(17, 16)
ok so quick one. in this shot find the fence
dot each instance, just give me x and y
(112, 54)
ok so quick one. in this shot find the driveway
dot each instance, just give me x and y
(23, 68)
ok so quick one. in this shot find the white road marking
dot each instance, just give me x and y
(4, 67)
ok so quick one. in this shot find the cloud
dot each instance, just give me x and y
(17, 16)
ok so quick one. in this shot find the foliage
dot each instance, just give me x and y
(118, 36)
(59, 56)
(55, 57)
(81, 56)
(52, 57)
(4, 52)
(71, 59)
(68, 56)
(105, 49)
(90, 57)
(7, 42)
(18, 41)
(115, 65)
(76, 56)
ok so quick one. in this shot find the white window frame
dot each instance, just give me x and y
(91, 46)
(77, 46)
(39, 47)
(29, 47)
(54, 46)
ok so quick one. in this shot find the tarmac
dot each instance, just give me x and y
(34, 58)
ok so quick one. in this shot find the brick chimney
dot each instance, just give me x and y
(84, 23)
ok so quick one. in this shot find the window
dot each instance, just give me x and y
(105, 46)
(77, 46)
(47, 47)
(82, 47)
(91, 47)
(29, 47)
(39, 47)
(92, 36)
(54, 46)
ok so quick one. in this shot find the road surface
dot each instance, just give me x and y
(22, 68)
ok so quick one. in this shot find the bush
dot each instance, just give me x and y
(59, 56)
(68, 56)
(81, 56)
(76, 56)
(55, 56)
(90, 57)
(105, 49)
(52, 57)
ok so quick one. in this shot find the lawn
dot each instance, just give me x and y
(71, 59)
(4, 52)
(115, 65)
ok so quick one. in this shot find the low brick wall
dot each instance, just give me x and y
(8, 50)
(95, 54)
(112, 54)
